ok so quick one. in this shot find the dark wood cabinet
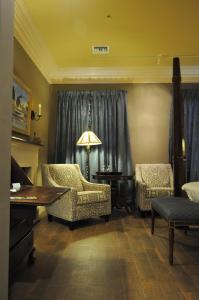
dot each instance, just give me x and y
(21, 236)
(23, 212)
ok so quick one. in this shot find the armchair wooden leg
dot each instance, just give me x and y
(171, 244)
(106, 218)
(152, 220)
(50, 218)
(72, 225)
(142, 213)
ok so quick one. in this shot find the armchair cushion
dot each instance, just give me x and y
(66, 176)
(152, 181)
(155, 175)
(86, 197)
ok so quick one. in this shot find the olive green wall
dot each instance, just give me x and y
(148, 115)
(25, 70)
(148, 109)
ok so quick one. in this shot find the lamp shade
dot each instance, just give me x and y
(88, 138)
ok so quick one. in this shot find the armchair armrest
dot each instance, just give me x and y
(141, 191)
(155, 192)
(141, 185)
(89, 186)
(169, 189)
(65, 207)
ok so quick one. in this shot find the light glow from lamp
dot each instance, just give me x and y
(183, 148)
(36, 115)
(88, 138)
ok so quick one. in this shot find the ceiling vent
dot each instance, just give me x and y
(100, 49)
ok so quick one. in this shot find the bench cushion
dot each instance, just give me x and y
(177, 209)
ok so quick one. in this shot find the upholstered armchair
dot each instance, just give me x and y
(84, 200)
(152, 181)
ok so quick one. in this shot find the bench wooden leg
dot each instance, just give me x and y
(72, 225)
(152, 220)
(50, 218)
(171, 244)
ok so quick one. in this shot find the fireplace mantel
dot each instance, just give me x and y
(26, 141)
(26, 153)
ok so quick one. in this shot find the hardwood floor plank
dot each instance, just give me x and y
(115, 260)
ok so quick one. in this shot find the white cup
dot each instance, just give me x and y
(16, 186)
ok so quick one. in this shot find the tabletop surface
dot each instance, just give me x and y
(109, 176)
(37, 195)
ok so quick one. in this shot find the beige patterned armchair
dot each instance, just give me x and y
(152, 181)
(84, 200)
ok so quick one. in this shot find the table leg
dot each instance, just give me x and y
(152, 220)
(31, 257)
(119, 200)
(114, 195)
(171, 243)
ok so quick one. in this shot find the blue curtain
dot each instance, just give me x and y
(191, 122)
(191, 127)
(108, 121)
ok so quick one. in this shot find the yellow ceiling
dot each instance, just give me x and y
(140, 33)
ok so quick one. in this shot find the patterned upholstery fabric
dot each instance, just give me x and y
(84, 200)
(155, 175)
(90, 197)
(158, 192)
(66, 176)
(152, 181)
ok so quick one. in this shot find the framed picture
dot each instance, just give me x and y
(21, 107)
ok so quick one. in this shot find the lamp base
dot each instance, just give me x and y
(87, 168)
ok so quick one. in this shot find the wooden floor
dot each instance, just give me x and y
(115, 260)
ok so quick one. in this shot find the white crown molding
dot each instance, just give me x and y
(112, 75)
(30, 39)
(122, 75)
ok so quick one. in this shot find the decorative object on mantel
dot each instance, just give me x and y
(36, 139)
(88, 139)
(36, 115)
(21, 106)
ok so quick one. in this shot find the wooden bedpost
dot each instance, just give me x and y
(179, 156)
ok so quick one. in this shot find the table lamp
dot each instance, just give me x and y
(88, 139)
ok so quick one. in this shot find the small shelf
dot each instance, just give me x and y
(26, 141)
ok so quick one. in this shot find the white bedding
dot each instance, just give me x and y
(192, 190)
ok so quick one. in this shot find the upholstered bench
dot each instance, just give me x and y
(178, 212)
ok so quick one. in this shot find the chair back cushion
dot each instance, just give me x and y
(66, 175)
(156, 175)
